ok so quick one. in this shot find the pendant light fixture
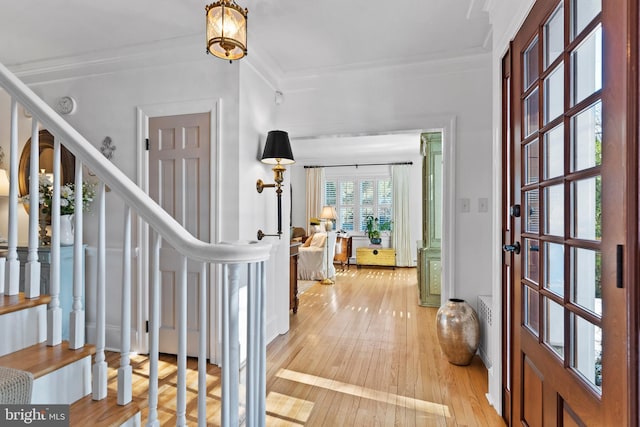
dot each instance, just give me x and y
(226, 30)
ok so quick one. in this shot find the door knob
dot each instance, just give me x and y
(515, 248)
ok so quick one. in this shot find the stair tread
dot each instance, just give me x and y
(9, 304)
(41, 359)
(105, 412)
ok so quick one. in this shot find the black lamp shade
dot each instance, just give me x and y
(277, 149)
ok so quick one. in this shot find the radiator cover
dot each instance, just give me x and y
(485, 302)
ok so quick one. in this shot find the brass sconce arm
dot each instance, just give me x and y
(260, 185)
(260, 235)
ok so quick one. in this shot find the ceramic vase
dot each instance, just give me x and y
(66, 230)
(458, 331)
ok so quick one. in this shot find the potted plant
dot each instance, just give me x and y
(373, 230)
(385, 226)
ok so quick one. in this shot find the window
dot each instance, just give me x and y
(355, 198)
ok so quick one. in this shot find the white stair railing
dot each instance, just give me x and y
(181, 386)
(12, 278)
(202, 349)
(256, 360)
(76, 318)
(54, 312)
(32, 267)
(99, 384)
(154, 333)
(230, 256)
(230, 347)
(125, 371)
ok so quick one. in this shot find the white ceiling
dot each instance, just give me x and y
(286, 38)
(291, 37)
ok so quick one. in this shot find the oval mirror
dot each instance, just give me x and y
(67, 162)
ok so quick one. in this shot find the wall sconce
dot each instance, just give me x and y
(277, 151)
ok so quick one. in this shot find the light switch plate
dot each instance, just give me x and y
(465, 205)
(483, 204)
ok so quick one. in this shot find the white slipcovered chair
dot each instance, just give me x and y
(312, 259)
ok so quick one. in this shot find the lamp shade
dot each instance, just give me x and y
(328, 212)
(226, 30)
(4, 183)
(277, 149)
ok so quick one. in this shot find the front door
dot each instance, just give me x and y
(179, 181)
(570, 178)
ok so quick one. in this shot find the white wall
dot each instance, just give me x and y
(408, 98)
(259, 211)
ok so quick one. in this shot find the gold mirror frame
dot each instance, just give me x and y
(67, 162)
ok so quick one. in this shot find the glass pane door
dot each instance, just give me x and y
(562, 222)
(570, 127)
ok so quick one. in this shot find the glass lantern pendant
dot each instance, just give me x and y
(226, 30)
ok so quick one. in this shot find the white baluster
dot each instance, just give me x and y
(124, 371)
(202, 348)
(76, 317)
(256, 351)
(12, 267)
(261, 389)
(54, 313)
(181, 398)
(252, 361)
(154, 322)
(32, 266)
(99, 385)
(230, 345)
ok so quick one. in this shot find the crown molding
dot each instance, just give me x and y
(158, 53)
(189, 49)
(478, 59)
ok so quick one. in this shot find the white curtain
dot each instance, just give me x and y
(401, 226)
(315, 191)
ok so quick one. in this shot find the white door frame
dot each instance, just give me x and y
(143, 113)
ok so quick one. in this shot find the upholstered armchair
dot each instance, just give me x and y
(312, 257)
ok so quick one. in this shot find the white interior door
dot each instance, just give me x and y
(179, 181)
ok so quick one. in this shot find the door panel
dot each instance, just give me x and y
(568, 171)
(179, 182)
(532, 402)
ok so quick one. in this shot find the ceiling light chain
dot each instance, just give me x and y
(226, 30)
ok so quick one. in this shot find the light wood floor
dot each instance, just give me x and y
(358, 353)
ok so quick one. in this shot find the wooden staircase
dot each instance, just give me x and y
(28, 323)
(61, 375)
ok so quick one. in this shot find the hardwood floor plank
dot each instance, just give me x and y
(361, 352)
